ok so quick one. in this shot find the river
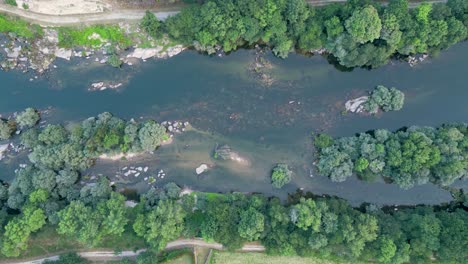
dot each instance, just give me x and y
(228, 104)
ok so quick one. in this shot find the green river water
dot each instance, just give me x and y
(227, 104)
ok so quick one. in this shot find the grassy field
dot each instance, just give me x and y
(223, 257)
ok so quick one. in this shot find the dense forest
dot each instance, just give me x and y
(357, 33)
(408, 157)
(48, 193)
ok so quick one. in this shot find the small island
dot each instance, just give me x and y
(380, 99)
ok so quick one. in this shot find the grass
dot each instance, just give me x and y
(48, 242)
(19, 27)
(202, 254)
(73, 37)
(178, 256)
(224, 257)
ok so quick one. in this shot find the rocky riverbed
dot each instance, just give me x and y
(39, 54)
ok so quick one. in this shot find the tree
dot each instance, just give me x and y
(30, 138)
(151, 24)
(322, 141)
(361, 164)
(151, 135)
(28, 118)
(251, 224)
(306, 215)
(364, 25)
(7, 128)
(281, 175)
(53, 135)
(90, 224)
(453, 236)
(160, 225)
(18, 229)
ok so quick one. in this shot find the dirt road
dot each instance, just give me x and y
(105, 255)
(95, 18)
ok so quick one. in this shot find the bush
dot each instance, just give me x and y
(151, 24)
(114, 61)
(7, 128)
(28, 118)
(11, 2)
(385, 99)
(281, 175)
(322, 141)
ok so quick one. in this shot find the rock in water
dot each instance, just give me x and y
(356, 105)
(3, 148)
(202, 168)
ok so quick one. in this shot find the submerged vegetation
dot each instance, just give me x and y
(408, 157)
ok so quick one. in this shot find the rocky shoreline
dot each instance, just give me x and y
(39, 54)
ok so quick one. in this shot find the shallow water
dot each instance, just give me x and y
(227, 104)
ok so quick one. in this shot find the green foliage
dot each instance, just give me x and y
(281, 175)
(28, 118)
(386, 99)
(18, 229)
(93, 36)
(53, 135)
(11, 2)
(160, 225)
(114, 61)
(151, 135)
(90, 224)
(7, 128)
(252, 224)
(364, 25)
(19, 27)
(68, 258)
(322, 141)
(151, 24)
(409, 157)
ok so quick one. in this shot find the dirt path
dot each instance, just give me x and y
(105, 255)
(95, 18)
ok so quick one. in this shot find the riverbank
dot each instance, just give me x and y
(37, 50)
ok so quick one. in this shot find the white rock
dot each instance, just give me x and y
(202, 168)
(144, 53)
(145, 169)
(124, 168)
(140, 169)
(138, 174)
(63, 53)
(356, 105)
(3, 148)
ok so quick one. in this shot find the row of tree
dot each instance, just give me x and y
(408, 157)
(357, 33)
(305, 225)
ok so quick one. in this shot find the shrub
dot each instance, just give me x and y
(114, 61)
(11, 2)
(28, 118)
(281, 175)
